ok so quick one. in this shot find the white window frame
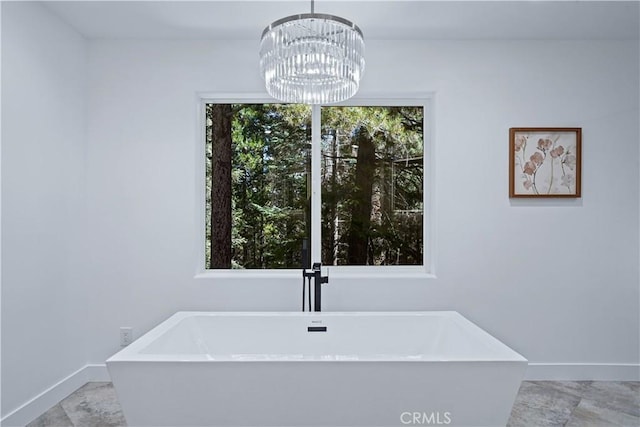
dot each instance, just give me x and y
(426, 270)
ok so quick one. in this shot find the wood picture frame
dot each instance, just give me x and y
(545, 162)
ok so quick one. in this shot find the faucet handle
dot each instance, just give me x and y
(317, 269)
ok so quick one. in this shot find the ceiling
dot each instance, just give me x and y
(398, 20)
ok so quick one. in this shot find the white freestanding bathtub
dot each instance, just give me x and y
(316, 369)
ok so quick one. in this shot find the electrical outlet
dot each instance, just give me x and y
(126, 336)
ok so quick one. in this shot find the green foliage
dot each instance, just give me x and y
(395, 236)
(270, 166)
(271, 145)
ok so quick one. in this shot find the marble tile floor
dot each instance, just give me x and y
(539, 403)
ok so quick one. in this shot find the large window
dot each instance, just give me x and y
(356, 194)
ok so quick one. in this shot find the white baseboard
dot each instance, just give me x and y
(536, 371)
(583, 372)
(98, 373)
(54, 394)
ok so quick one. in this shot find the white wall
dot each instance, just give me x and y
(99, 232)
(44, 307)
(556, 280)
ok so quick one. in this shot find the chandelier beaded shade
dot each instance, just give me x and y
(312, 58)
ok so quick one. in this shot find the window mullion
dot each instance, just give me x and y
(316, 187)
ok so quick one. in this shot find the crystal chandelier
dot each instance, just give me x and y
(312, 58)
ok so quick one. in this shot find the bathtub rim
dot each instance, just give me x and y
(132, 352)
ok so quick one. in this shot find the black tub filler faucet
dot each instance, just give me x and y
(318, 280)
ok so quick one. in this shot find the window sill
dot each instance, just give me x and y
(341, 272)
(248, 274)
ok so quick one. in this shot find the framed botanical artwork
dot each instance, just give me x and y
(545, 162)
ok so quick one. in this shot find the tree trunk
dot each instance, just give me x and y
(358, 236)
(221, 187)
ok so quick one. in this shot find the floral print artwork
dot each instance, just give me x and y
(545, 163)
